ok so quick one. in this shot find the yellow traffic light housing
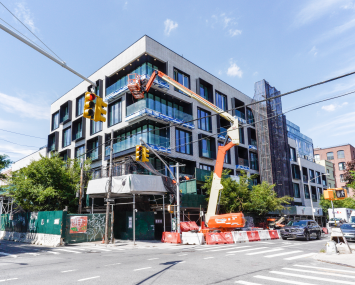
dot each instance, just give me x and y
(139, 152)
(99, 110)
(89, 105)
(145, 155)
(335, 194)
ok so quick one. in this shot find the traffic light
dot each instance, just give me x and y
(145, 155)
(139, 152)
(335, 194)
(99, 110)
(89, 105)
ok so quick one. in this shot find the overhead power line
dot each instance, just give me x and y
(21, 144)
(22, 134)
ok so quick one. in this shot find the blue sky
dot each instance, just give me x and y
(288, 43)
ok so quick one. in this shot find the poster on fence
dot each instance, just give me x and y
(78, 224)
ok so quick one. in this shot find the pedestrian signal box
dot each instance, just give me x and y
(335, 194)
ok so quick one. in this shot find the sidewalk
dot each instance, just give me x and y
(339, 259)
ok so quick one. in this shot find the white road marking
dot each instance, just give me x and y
(228, 248)
(246, 249)
(317, 272)
(209, 257)
(67, 250)
(53, 252)
(214, 247)
(8, 279)
(264, 251)
(88, 278)
(299, 256)
(93, 248)
(246, 283)
(268, 242)
(182, 254)
(153, 258)
(312, 277)
(324, 268)
(180, 262)
(114, 264)
(141, 268)
(65, 271)
(8, 254)
(287, 281)
(283, 253)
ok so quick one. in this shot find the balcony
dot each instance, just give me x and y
(158, 143)
(242, 164)
(166, 113)
(253, 144)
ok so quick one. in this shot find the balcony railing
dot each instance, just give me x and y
(159, 142)
(253, 142)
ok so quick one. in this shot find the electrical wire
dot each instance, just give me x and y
(21, 144)
(22, 134)
(30, 31)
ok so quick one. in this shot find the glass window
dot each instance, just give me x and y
(316, 157)
(52, 143)
(64, 113)
(306, 192)
(341, 165)
(204, 92)
(250, 117)
(80, 105)
(241, 135)
(314, 193)
(330, 156)
(115, 113)
(293, 154)
(206, 147)
(182, 78)
(66, 137)
(78, 130)
(296, 190)
(319, 192)
(342, 178)
(204, 123)
(254, 161)
(311, 175)
(318, 177)
(221, 101)
(95, 127)
(55, 121)
(227, 157)
(79, 151)
(183, 141)
(296, 174)
(340, 154)
(206, 167)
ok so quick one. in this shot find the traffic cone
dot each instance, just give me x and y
(103, 239)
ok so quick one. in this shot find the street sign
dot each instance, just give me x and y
(340, 194)
(109, 200)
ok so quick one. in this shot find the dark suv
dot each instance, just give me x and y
(301, 229)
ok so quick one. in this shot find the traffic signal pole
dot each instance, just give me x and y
(61, 63)
(109, 190)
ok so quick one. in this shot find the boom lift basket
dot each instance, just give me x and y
(134, 85)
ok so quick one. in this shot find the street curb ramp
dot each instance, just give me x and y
(192, 238)
(169, 237)
(240, 237)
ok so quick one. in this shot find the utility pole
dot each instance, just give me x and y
(178, 195)
(81, 185)
(109, 190)
(134, 219)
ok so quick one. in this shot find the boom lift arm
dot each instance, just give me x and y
(220, 221)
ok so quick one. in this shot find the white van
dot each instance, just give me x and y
(352, 217)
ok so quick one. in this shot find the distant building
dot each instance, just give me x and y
(339, 155)
(329, 168)
(23, 162)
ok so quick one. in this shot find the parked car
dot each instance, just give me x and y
(305, 229)
(348, 231)
(335, 222)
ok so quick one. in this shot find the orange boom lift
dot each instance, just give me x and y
(225, 222)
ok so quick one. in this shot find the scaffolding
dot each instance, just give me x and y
(272, 141)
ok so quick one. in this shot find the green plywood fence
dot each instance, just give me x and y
(34, 222)
(123, 228)
(85, 227)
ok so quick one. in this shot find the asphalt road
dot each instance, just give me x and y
(269, 262)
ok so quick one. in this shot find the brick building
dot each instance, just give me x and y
(339, 155)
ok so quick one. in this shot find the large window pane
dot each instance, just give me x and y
(330, 156)
(80, 105)
(55, 121)
(296, 190)
(66, 137)
(341, 154)
(115, 113)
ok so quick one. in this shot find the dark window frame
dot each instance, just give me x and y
(208, 120)
(223, 95)
(75, 149)
(91, 127)
(70, 132)
(119, 101)
(212, 146)
(299, 190)
(89, 147)
(177, 147)
(52, 122)
(75, 126)
(76, 105)
(176, 79)
(62, 109)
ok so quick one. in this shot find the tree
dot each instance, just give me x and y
(263, 199)
(48, 184)
(4, 163)
(346, 203)
(234, 194)
(349, 172)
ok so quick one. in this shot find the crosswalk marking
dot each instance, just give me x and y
(246, 249)
(92, 248)
(88, 278)
(324, 268)
(283, 253)
(287, 281)
(317, 272)
(8, 254)
(264, 251)
(313, 277)
(141, 268)
(299, 256)
(246, 282)
(153, 258)
(209, 257)
(214, 247)
(67, 250)
(228, 248)
(9, 279)
(53, 252)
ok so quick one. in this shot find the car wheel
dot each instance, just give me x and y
(307, 236)
(319, 235)
(284, 238)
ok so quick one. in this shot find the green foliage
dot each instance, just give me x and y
(263, 199)
(239, 196)
(4, 163)
(346, 203)
(350, 176)
(48, 184)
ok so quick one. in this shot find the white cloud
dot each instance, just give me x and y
(25, 15)
(313, 51)
(338, 30)
(169, 26)
(234, 70)
(15, 151)
(255, 73)
(233, 33)
(125, 5)
(316, 9)
(24, 109)
(333, 107)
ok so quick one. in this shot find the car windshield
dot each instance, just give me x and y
(352, 219)
(336, 219)
(297, 223)
(348, 227)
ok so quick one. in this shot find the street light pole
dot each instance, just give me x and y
(109, 190)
